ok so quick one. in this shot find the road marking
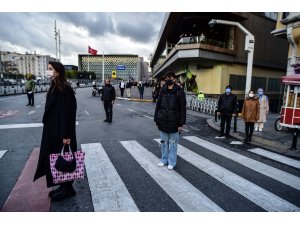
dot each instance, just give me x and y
(31, 112)
(87, 113)
(43, 102)
(107, 188)
(236, 143)
(186, 196)
(253, 192)
(24, 125)
(149, 117)
(130, 110)
(276, 157)
(2, 153)
(38, 106)
(3, 99)
(118, 104)
(185, 130)
(9, 113)
(259, 167)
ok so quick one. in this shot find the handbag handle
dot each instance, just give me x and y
(63, 148)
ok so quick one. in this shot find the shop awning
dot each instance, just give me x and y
(291, 79)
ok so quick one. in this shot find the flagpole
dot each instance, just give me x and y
(88, 61)
(103, 68)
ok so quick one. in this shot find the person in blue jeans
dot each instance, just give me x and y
(170, 116)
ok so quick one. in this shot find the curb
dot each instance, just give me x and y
(274, 146)
(134, 99)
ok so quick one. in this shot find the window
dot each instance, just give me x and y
(238, 82)
(271, 15)
(274, 84)
(258, 82)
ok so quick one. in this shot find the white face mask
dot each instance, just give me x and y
(251, 95)
(49, 74)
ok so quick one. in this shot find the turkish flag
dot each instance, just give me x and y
(92, 51)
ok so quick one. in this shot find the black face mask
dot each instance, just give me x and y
(169, 82)
(106, 84)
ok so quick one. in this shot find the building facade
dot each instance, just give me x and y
(125, 66)
(17, 63)
(209, 58)
(288, 27)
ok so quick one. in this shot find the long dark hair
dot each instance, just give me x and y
(59, 81)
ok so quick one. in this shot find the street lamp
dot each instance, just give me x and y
(249, 47)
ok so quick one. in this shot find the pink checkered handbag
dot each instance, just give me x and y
(78, 173)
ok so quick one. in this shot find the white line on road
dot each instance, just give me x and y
(86, 112)
(149, 117)
(43, 102)
(2, 153)
(31, 112)
(130, 110)
(185, 130)
(3, 99)
(118, 104)
(276, 157)
(259, 167)
(38, 106)
(107, 188)
(24, 125)
(186, 196)
(253, 192)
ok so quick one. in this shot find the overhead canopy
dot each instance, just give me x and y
(291, 79)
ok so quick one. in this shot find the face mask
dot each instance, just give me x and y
(260, 93)
(169, 82)
(228, 90)
(49, 74)
(251, 95)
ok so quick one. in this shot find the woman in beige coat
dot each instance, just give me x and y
(264, 110)
(250, 114)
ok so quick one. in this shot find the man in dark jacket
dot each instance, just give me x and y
(108, 97)
(227, 107)
(170, 115)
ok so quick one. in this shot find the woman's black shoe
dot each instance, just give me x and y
(51, 193)
(65, 193)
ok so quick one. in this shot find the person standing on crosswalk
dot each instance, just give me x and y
(250, 114)
(170, 116)
(227, 107)
(59, 128)
(108, 98)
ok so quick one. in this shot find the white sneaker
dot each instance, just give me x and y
(170, 167)
(260, 129)
(161, 164)
(256, 129)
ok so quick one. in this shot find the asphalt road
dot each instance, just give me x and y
(133, 122)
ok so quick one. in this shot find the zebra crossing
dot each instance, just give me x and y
(111, 193)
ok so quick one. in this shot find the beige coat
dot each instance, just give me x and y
(250, 111)
(264, 109)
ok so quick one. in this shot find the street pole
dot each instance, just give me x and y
(55, 37)
(59, 42)
(103, 68)
(249, 47)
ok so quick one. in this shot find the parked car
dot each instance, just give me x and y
(10, 82)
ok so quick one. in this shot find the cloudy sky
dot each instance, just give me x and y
(113, 33)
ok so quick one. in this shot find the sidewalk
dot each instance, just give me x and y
(135, 95)
(277, 141)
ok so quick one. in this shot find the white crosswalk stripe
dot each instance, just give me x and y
(276, 157)
(2, 153)
(107, 189)
(264, 169)
(254, 193)
(186, 196)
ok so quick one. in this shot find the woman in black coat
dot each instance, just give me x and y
(59, 128)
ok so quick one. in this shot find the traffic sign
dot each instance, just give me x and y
(121, 67)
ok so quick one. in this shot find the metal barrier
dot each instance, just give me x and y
(207, 106)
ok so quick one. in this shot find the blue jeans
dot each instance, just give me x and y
(169, 142)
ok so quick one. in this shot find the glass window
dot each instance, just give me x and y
(274, 84)
(258, 82)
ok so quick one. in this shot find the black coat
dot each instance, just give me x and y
(227, 104)
(59, 122)
(108, 93)
(170, 112)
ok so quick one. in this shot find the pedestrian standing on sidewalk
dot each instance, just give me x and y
(170, 116)
(59, 128)
(108, 98)
(128, 88)
(29, 88)
(141, 89)
(227, 107)
(122, 88)
(264, 110)
(155, 92)
(250, 114)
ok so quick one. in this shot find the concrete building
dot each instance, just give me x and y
(17, 63)
(288, 27)
(125, 66)
(71, 67)
(209, 58)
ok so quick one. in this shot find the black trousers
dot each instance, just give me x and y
(225, 119)
(122, 92)
(108, 110)
(30, 98)
(249, 128)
